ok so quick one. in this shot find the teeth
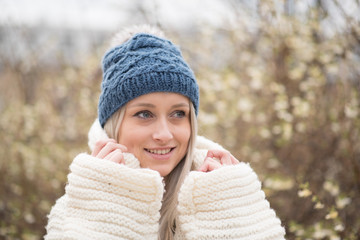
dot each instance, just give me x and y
(159, 151)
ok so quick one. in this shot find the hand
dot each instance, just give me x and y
(224, 158)
(110, 150)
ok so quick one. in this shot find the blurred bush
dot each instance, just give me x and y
(46, 109)
(285, 97)
(280, 92)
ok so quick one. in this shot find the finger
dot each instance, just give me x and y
(123, 148)
(107, 157)
(116, 156)
(110, 147)
(223, 156)
(209, 165)
(99, 145)
(220, 153)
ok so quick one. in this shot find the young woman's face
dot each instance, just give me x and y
(156, 129)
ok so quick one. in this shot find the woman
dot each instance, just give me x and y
(149, 175)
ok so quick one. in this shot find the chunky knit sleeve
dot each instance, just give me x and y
(227, 203)
(105, 200)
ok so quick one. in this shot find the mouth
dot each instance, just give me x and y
(162, 151)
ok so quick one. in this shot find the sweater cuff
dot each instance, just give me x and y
(110, 200)
(227, 203)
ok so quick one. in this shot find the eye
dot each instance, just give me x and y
(178, 114)
(144, 114)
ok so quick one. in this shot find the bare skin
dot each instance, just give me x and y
(156, 129)
(112, 151)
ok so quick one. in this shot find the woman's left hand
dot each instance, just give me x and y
(224, 158)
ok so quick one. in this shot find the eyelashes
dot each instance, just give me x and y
(143, 114)
(146, 114)
(179, 114)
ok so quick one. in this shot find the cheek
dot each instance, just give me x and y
(184, 134)
(133, 138)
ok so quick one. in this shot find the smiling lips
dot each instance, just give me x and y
(159, 151)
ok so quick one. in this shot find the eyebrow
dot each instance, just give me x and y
(180, 105)
(153, 106)
(142, 105)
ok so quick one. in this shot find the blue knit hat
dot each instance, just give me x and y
(143, 64)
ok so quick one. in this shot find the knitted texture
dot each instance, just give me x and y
(142, 65)
(105, 200)
(226, 204)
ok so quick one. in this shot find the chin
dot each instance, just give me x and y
(163, 171)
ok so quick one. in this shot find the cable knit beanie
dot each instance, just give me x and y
(143, 64)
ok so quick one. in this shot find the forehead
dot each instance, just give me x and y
(162, 98)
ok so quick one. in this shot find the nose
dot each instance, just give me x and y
(162, 132)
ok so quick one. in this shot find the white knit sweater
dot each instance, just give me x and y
(105, 200)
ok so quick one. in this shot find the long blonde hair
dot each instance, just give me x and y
(173, 181)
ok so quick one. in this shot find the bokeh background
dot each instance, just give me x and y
(279, 88)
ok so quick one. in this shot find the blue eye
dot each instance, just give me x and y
(144, 114)
(179, 114)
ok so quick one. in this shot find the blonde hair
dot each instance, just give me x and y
(174, 180)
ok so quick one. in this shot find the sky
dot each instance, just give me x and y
(107, 14)
(103, 15)
(110, 15)
(58, 13)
